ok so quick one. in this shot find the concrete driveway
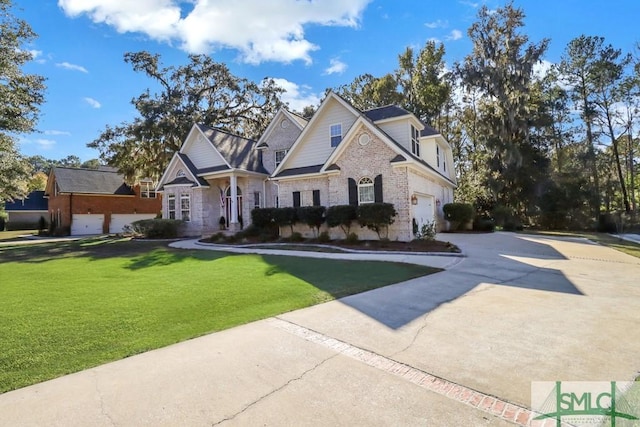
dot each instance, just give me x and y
(459, 347)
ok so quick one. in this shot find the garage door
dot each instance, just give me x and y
(82, 224)
(423, 211)
(119, 221)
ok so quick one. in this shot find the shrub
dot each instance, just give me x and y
(607, 223)
(216, 237)
(263, 218)
(324, 237)
(341, 216)
(376, 217)
(352, 238)
(313, 216)
(484, 223)
(283, 217)
(501, 214)
(250, 231)
(42, 224)
(296, 237)
(426, 232)
(458, 214)
(156, 228)
(2, 223)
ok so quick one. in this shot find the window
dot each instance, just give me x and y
(280, 156)
(185, 207)
(415, 141)
(276, 201)
(366, 192)
(256, 200)
(336, 135)
(180, 173)
(147, 191)
(438, 155)
(171, 205)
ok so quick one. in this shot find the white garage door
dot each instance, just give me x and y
(82, 224)
(423, 212)
(119, 221)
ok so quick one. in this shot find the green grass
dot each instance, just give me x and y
(629, 248)
(15, 235)
(70, 306)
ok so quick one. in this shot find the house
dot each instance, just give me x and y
(26, 213)
(97, 201)
(340, 156)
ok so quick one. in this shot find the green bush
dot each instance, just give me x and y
(458, 214)
(296, 237)
(156, 228)
(501, 214)
(484, 223)
(426, 232)
(313, 216)
(376, 217)
(324, 237)
(341, 216)
(352, 238)
(263, 218)
(283, 217)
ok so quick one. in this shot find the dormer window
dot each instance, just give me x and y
(438, 155)
(415, 141)
(336, 134)
(280, 156)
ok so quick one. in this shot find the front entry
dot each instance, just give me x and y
(227, 205)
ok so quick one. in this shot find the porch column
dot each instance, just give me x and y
(234, 200)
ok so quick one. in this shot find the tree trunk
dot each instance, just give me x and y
(616, 154)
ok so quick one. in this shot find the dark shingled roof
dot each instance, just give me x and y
(192, 168)
(34, 201)
(300, 171)
(90, 181)
(236, 150)
(180, 181)
(333, 167)
(398, 158)
(386, 112)
(428, 131)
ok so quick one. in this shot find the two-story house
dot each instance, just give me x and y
(340, 156)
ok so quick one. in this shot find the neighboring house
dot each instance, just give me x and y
(341, 156)
(97, 201)
(26, 213)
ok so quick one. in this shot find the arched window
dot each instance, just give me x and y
(366, 192)
(180, 173)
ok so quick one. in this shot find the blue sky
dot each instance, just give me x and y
(307, 45)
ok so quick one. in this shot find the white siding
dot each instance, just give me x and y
(428, 151)
(316, 146)
(400, 131)
(202, 153)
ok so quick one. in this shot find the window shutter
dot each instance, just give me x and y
(296, 199)
(377, 189)
(316, 197)
(353, 192)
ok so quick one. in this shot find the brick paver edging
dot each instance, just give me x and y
(482, 401)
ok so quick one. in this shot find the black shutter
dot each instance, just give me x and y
(316, 197)
(377, 189)
(353, 192)
(296, 199)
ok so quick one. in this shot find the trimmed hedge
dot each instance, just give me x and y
(458, 214)
(285, 217)
(313, 216)
(156, 228)
(342, 216)
(376, 217)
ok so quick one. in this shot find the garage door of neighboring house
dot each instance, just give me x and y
(119, 221)
(423, 211)
(82, 224)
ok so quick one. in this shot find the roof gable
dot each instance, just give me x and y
(198, 147)
(238, 152)
(282, 114)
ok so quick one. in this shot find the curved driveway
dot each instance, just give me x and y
(460, 347)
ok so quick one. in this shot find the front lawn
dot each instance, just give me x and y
(69, 306)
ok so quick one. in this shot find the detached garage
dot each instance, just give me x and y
(84, 224)
(120, 221)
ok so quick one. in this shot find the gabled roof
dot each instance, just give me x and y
(300, 171)
(237, 151)
(386, 112)
(90, 181)
(34, 201)
(299, 122)
(192, 168)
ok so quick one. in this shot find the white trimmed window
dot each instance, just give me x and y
(256, 200)
(185, 207)
(147, 190)
(280, 156)
(415, 141)
(366, 193)
(336, 134)
(171, 205)
(438, 155)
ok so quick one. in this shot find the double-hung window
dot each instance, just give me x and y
(280, 156)
(366, 192)
(147, 191)
(171, 205)
(438, 155)
(336, 134)
(415, 141)
(256, 200)
(185, 207)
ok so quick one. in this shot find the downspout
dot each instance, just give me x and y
(70, 211)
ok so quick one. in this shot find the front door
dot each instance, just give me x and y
(227, 204)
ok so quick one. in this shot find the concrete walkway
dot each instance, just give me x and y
(459, 348)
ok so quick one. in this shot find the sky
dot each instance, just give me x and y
(306, 45)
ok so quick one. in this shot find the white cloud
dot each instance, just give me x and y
(73, 67)
(297, 96)
(434, 40)
(56, 132)
(474, 5)
(260, 30)
(454, 35)
(336, 67)
(92, 102)
(439, 23)
(35, 54)
(541, 68)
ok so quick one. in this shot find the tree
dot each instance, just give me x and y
(366, 91)
(21, 95)
(38, 181)
(203, 91)
(91, 164)
(500, 68)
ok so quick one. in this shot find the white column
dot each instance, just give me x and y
(234, 200)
